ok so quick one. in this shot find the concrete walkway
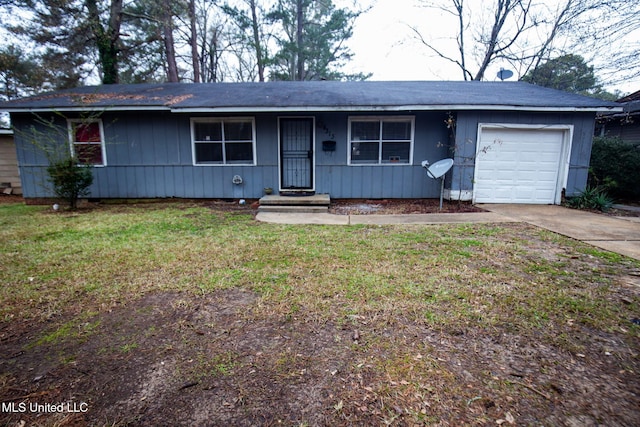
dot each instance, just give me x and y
(327, 218)
(615, 234)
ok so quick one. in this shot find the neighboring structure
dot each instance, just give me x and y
(9, 174)
(624, 125)
(512, 142)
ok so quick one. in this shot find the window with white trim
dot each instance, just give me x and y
(86, 137)
(223, 141)
(380, 140)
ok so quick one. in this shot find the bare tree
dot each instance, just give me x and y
(524, 33)
(248, 18)
(213, 42)
(607, 34)
(509, 20)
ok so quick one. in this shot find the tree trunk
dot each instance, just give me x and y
(167, 29)
(256, 40)
(107, 40)
(299, 41)
(194, 42)
(459, 5)
(500, 16)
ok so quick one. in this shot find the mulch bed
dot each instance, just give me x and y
(399, 206)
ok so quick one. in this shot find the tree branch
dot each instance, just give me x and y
(438, 53)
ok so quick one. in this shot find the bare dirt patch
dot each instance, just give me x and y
(338, 206)
(399, 206)
(238, 356)
(179, 359)
(11, 198)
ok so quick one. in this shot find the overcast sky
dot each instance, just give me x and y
(385, 46)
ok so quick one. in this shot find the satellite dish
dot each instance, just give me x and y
(437, 169)
(504, 74)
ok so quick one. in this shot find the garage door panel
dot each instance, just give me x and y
(524, 167)
(547, 158)
(525, 178)
(503, 176)
(502, 195)
(546, 177)
(524, 193)
(518, 166)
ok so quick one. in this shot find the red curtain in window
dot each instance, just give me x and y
(87, 132)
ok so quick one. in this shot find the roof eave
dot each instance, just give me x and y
(85, 109)
(370, 108)
(321, 108)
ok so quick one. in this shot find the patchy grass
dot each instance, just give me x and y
(482, 275)
(399, 310)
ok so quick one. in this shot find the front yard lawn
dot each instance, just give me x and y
(193, 313)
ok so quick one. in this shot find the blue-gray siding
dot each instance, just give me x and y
(149, 154)
(467, 133)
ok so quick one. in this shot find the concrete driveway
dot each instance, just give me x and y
(615, 234)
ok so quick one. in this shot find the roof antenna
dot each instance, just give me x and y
(504, 74)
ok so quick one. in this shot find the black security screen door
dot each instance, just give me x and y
(296, 153)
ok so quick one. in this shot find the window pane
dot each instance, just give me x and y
(395, 152)
(238, 131)
(208, 153)
(239, 152)
(365, 131)
(396, 131)
(208, 131)
(364, 152)
(88, 154)
(87, 132)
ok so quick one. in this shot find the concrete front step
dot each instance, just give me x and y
(293, 209)
(317, 203)
(277, 200)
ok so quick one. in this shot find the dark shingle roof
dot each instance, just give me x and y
(635, 96)
(309, 96)
(631, 103)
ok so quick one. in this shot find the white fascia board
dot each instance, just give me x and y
(373, 108)
(350, 108)
(81, 109)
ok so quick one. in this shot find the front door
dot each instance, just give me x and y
(296, 153)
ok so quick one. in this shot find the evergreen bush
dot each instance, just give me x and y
(70, 179)
(615, 168)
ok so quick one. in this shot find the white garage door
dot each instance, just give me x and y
(518, 165)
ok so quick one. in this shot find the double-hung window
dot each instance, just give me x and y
(223, 141)
(380, 140)
(86, 137)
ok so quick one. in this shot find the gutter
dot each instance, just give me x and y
(349, 108)
(360, 108)
(83, 109)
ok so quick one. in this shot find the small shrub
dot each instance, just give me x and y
(591, 198)
(70, 180)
